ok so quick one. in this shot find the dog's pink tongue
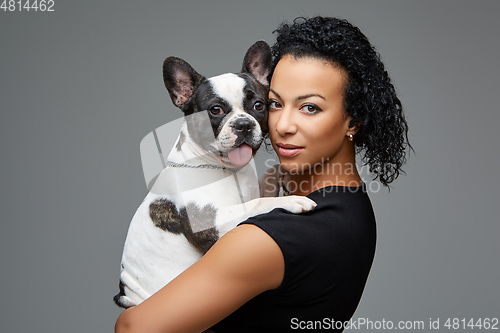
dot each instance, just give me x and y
(240, 155)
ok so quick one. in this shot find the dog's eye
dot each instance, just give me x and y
(216, 110)
(259, 106)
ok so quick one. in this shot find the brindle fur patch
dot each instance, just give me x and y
(204, 220)
(165, 216)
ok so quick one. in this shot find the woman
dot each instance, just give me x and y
(329, 97)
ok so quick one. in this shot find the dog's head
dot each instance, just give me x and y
(236, 104)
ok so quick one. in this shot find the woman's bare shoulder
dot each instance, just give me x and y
(249, 252)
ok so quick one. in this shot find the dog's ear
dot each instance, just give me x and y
(258, 61)
(181, 80)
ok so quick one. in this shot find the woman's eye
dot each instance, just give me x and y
(310, 108)
(259, 106)
(274, 104)
(215, 110)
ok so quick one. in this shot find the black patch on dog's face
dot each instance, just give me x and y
(255, 92)
(165, 216)
(205, 99)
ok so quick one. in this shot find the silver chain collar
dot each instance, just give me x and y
(201, 166)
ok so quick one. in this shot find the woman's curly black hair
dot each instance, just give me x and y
(369, 96)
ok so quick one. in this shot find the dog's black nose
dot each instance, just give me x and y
(243, 126)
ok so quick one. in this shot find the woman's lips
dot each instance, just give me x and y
(288, 150)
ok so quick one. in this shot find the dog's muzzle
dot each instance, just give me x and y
(243, 126)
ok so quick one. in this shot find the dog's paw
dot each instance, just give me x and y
(296, 204)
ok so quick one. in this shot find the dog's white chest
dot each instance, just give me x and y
(153, 256)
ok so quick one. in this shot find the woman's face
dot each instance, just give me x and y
(307, 122)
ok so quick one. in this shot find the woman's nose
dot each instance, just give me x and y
(285, 123)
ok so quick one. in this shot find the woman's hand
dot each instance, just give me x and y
(242, 264)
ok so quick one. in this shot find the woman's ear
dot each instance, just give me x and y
(353, 128)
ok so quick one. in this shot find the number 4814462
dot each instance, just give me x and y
(35, 5)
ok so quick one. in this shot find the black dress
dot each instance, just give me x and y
(328, 254)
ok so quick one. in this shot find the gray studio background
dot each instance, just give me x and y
(80, 88)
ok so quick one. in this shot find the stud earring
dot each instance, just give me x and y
(350, 137)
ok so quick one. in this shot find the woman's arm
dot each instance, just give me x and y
(242, 264)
